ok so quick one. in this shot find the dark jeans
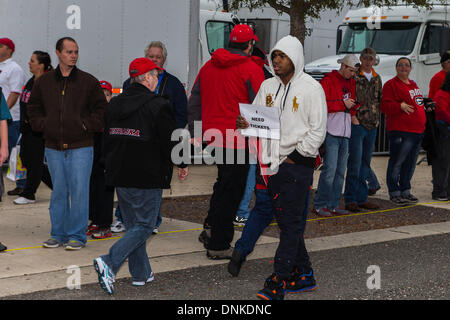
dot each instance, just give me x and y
(32, 152)
(404, 149)
(289, 190)
(227, 195)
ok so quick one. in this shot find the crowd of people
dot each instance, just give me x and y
(81, 142)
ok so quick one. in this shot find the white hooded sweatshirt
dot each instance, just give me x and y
(302, 108)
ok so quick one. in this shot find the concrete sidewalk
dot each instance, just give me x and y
(27, 267)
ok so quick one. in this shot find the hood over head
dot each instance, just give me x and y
(293, 48)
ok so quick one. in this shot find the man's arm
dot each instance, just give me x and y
(95, 121)
(35, 109)
(194, 106)
(12, 99)
(180, 104)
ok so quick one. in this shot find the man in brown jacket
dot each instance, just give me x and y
(364, 132)
(67, 105)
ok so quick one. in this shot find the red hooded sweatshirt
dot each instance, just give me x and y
(395, 91)
(229, 78)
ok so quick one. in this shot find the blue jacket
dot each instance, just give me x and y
(4, 110)
(172, 88)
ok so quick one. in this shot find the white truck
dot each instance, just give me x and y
(111, 33)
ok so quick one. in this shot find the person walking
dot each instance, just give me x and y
(139, 125)
(32, 146)
(403, 104)
(67, 105)
(229, 78)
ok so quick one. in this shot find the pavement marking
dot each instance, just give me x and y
(273, 224)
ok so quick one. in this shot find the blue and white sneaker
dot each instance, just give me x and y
(142, 283)
(105, 275)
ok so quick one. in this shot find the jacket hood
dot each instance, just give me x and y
(131, 100)
(224, 58)
(293, 48)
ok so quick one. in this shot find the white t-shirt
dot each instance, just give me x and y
(12, 79)
(368, 75)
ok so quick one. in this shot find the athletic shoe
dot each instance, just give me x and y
(399, 201)
(102, 233)
(238, 221)
(235, 264)
(73, 245)
(142, 283)
(91, 229)
(219, 254)
(2, 247)
(15, 192)
(51, 243)
(155, 231)
(117, 227)
(339, 212)
(440, 198)
(23, 201)
(105, 275)
(301, 282)
(274, 289)
(410, 198)
(205, 237)
(322, 212)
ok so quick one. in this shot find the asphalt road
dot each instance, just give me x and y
(412, 269)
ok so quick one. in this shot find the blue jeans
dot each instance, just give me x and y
(13, 136)
(404, 150)
(69, 203)
(332, 176)
(243, 210)
(119, 217)
(372, 180)
(360, 154)
(139, 208)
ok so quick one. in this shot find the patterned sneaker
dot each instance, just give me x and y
(117, 227)
(399, 201)
(91, 229)
(240, 222)
(301, 282)
(102, 233)
(51, 243)
(410, 198)
(74, 245)
(274, 289)
(322, 212)
(105, 275)
(142, 283)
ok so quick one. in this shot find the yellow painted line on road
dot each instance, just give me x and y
(273, 224)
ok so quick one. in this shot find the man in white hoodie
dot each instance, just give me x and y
(303, 117)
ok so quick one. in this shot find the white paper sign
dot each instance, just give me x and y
(264, 122)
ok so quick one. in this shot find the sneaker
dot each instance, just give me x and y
(219, 254)
(322, 212)
(91, 229)
(74, 245)
(15, 192)
(240, 222)
(102, 233)
(155, 231)
(339, 212)
(440, 198)
(399, 201)
(235, 264)
(117, 227)
(23, 201)
(274, 289)
(410, 198)
(142, 283)
(105, 275)
(301, 282)
(2, 247)
(51, 243)
(205, 237)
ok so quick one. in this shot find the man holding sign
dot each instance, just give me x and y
(301, 103)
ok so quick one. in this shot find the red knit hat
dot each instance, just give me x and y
(140, 66)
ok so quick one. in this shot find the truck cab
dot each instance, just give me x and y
(416, 33)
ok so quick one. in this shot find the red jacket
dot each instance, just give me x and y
(394, 93)
(229, 78)
(336, 87)
(436, 83)
(442, 99)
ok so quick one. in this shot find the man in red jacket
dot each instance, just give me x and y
(438, 79)
(229, 78)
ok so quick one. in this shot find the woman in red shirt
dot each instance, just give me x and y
(403, 105)
(441, 164)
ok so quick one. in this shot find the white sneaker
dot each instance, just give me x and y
(155, 231)
(142, 283)
(117, 227)
(23, 201)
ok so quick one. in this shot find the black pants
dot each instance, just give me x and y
(441, 165)
(101, 199)
(227, 195)
(289, 189)
(32, 150)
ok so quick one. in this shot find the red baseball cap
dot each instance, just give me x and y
(106, 85)
(242, 33)
(8, 42)
(140, 66)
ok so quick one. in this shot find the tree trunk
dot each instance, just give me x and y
(298, 20)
